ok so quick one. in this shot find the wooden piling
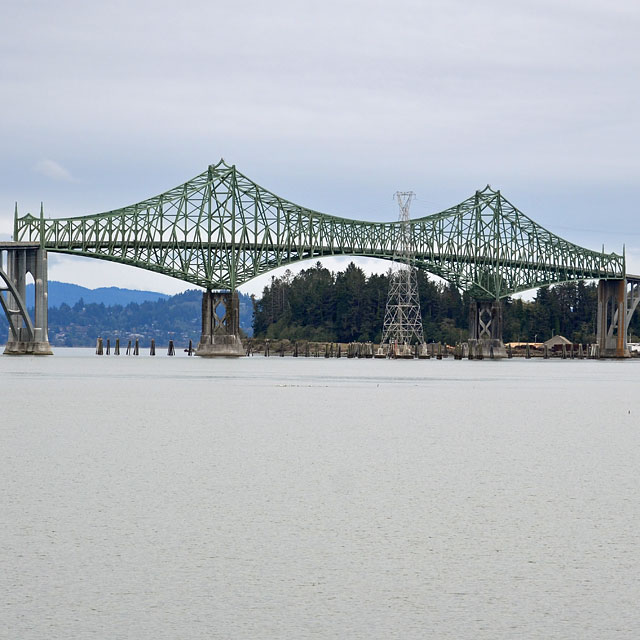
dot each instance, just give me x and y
(99, 347)
(136, 348)
(171, 351)
(152, 348)
(116, 351)
(129, 348)
(108, 346)
(190, 352)
(527, 353)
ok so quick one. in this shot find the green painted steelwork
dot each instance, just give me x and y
(221, 229)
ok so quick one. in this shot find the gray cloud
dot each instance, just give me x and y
(51, 169)
(332, 104)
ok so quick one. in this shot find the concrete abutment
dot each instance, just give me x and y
(27, 336)
(220, 335)
(485, 330)
(617, 302)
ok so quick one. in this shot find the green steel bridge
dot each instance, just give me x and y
(220, 229)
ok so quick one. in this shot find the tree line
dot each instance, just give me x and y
(324, 306)
(319, 305)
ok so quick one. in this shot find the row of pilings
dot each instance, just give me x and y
(103, 347)
(306, 349)
(565, 352)
(437, 350)
(462, 350)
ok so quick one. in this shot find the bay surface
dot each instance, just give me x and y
(314, 498)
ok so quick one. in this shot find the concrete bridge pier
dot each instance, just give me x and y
(617, 301)
(485, 329)
(26, 335)
(220, 325)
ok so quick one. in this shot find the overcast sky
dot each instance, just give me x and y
(334, 105)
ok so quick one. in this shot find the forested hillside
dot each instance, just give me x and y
(66, 293)
(175, 318)
(319, 305)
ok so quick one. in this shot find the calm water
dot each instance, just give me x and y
(155, 498)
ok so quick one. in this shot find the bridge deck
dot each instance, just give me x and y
(7, 245)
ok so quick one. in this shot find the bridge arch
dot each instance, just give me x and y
(14, 304)
(221, 229)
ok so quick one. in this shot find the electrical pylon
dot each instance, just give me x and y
(402, 317)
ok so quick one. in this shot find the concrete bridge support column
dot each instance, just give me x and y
(485, 328)
(220, 325)
(26, 335)
(614, 317)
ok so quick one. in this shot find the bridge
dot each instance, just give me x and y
(220, 229)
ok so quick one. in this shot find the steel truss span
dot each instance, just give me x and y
(221, 229)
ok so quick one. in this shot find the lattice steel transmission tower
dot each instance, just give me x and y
(402, 317)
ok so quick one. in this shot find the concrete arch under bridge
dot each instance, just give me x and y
(220, 229)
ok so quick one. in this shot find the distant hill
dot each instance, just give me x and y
(66, 293)
(78, 315)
